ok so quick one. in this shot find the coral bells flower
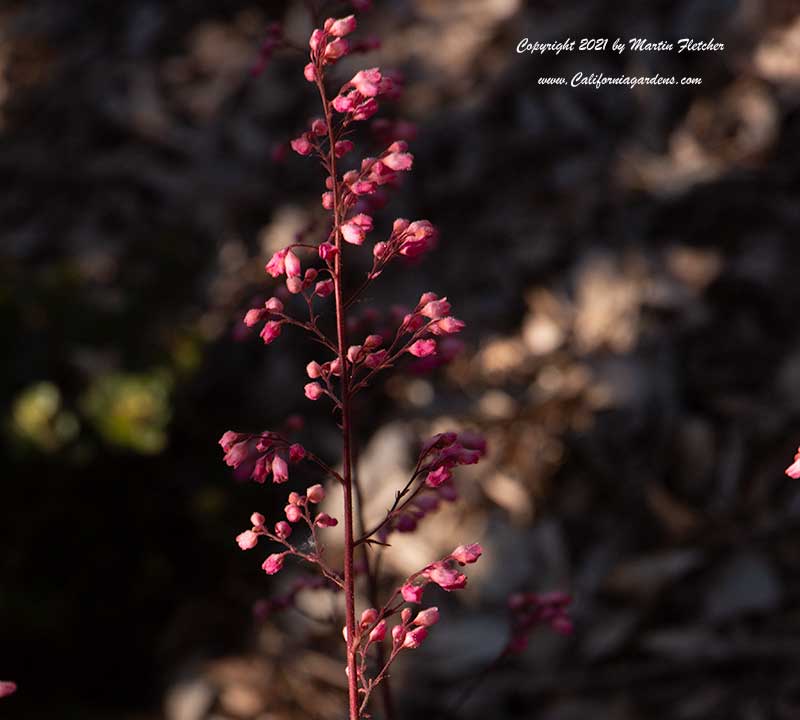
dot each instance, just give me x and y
(378, 633)
(398, 160)
(437, 477)
(355, 230)
(7, 688)
(273, 564)
(302, 145)
(274, 306)
(423, 348)
(276, 265)
(313, 391)
(466, 554)
(296, 453)
(412, 593)
(280, 470)
(435, 309)
(292, 264)
(418, 238)
(341, 27)
(325, 521)
(293, 513)
(254, 316)
(793, 471)
(247, 540)
(445, 577)
(414, 638)
(367, 82)
(282, 529)
(270, 332)
(427, 617)
(257, 519)
(315, 494)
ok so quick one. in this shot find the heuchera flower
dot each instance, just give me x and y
(273, 563)
(427, 617)
(247, 540)
(280, 470)
(445, 577)
(414, 638)
(7, 688)
(412, 593)
(315, 494)
(466, 554)
(378, 633)
(423, 348)
(324, 520)
(793, 471)
(270, 332)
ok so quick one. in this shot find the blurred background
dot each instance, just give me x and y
(626, 263)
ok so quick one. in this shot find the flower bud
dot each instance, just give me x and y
(296, 452)
(313, 370)
(398, 634)
(273, 564)
(466, 554)
(378, 633)
(342, 26)
(368, 617)
(293, 513)
(313, 391)
(280, 470)
(274, 305)
(423, 348)
(412, 593)
(427, 617)
(247, 540)
(325, 521)
(315, 494)
(257, 519)
(282, 529)
(405, 615)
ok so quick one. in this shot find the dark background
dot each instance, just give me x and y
(626, 262)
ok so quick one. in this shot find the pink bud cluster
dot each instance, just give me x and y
(530, 610)
(264, 454)
(444, 573)
(298, 509)
(437, 459)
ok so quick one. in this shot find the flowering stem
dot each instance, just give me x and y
(347, 479)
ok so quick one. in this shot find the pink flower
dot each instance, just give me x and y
(367, 82)
(336, 49)
(447, 326)
(366, 109)
(274, 305)
(355, 353)
(353, 234)
(427, 617)
(273, 564)
(342, 147)
(437, 477)
(296, 452)
(435, 309)
(445, 577)
(7, 688)
(254, 316)
(327, 251)
(342, 26)
(419, 237)
(378, 633)
(466, 554)
(343, 103)
(302, 145)
(793, 471)
(237, 454)
(257, 519)
(293, 513)
(327, 200)
(229, 439)
(324, 288)
(309, 72)
(315, 494)
(270, 332)
(316, 39)
(362, 187)
(247, 540)
(319, 127)
(368, 617)
(282, 529)
(314, 370)
(398, 160)
(324, 520)
(398, 634)
(276, 265)
(280, 470)
(412, 593)
(292, 264)
(414, 638)
(313, 391)
(423, 348)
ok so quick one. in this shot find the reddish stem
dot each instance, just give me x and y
(347, 484)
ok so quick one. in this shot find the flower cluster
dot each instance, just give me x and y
(311, 277)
